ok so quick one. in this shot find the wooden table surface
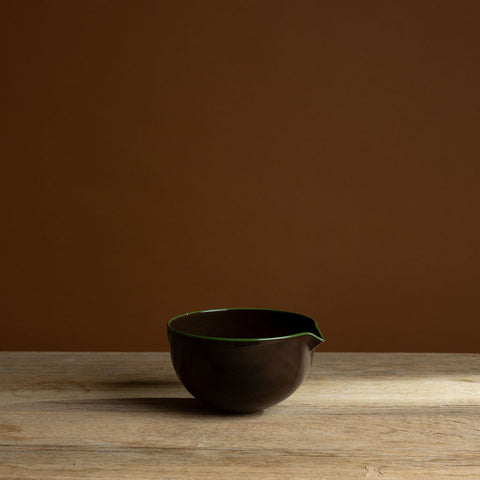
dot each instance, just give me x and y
(126, 416)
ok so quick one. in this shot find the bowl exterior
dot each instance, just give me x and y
(240, 376)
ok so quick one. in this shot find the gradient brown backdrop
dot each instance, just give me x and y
(160, 157)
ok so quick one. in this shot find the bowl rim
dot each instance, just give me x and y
(319, 337)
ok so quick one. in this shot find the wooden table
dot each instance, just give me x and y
(126, 416)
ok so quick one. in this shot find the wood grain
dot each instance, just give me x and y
(126, 416)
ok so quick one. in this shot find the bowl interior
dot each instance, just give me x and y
(243, 324)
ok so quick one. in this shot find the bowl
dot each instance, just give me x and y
(242, 359)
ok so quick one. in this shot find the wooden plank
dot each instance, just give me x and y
(125, 415)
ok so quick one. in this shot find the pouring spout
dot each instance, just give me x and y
(315, 339)
(315, 336)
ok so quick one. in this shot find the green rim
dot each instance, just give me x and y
(319, 337)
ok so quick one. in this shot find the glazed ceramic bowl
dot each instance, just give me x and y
(243, 359)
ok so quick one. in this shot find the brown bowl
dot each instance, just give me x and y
(242, 359)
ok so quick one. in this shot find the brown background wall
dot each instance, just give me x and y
(160, 157)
